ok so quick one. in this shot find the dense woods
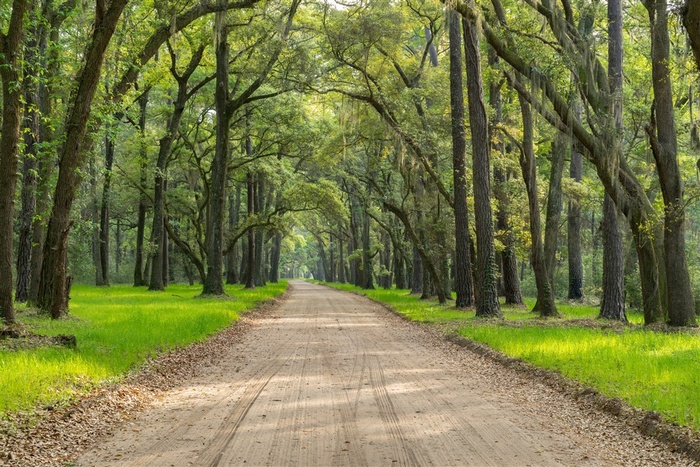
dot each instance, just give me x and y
(464, 150)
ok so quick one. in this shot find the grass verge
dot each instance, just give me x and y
(117, 329)
(650, 370)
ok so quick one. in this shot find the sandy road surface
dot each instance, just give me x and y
(329, 378)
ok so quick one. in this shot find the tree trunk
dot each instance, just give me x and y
(418, 244)
(250, 258)
(341, 257)
(31, 156)
(612, 305)
(664, 144)
(508, 261)
(275, 258)
(233, 219)
(104, 209)
(399, 268)
(158, 276)
(574, 228)
(52, 291)
(139, 279)
(487, 298)
(691, 20)
(118, 245)
(367, 266)
(553, 219)
(95, 213)
(10, 54)
(416, 272)
(260, 188)
(545, 297)
(463, 280)
(50, 64)
(214, 283)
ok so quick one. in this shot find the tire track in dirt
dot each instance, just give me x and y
(329, 378)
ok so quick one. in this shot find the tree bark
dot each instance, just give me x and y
(105, 210)
(664, 144)
(619, 180)
(158, 279)
(342, 278)
(508, 261)
(139, 279)
(554, 203)
(250, 256)
(10, 73)
(367, 266)
(575, 260)
(214, 283)
(31, 122)
(418, 244)
(275, 258)
(691, 20)
(52, 289)
(233, 219)
(463, 279)
(612, 305)
(545, 296)
(487, 298)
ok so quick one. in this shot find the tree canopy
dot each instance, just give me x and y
(468, 147)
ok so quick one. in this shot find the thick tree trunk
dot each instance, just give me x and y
(31, 126)
(52, 291)
(612, 305)
(664, 144)
(214, 282)
(10, 69)
(622, 185)
(464, 287)
(553, 216)
(28, 197)
(50, 65)
(487, 298)
(691, 20)
(554, 204)
(508, 261)
(545, 297)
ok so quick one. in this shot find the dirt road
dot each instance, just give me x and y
(329, 378)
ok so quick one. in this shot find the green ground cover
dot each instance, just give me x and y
(116, 329)
(650, 370)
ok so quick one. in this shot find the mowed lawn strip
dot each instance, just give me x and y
(116, 329)
(648, 369)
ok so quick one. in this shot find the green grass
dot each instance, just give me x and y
(116, 328)
(650, 370)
